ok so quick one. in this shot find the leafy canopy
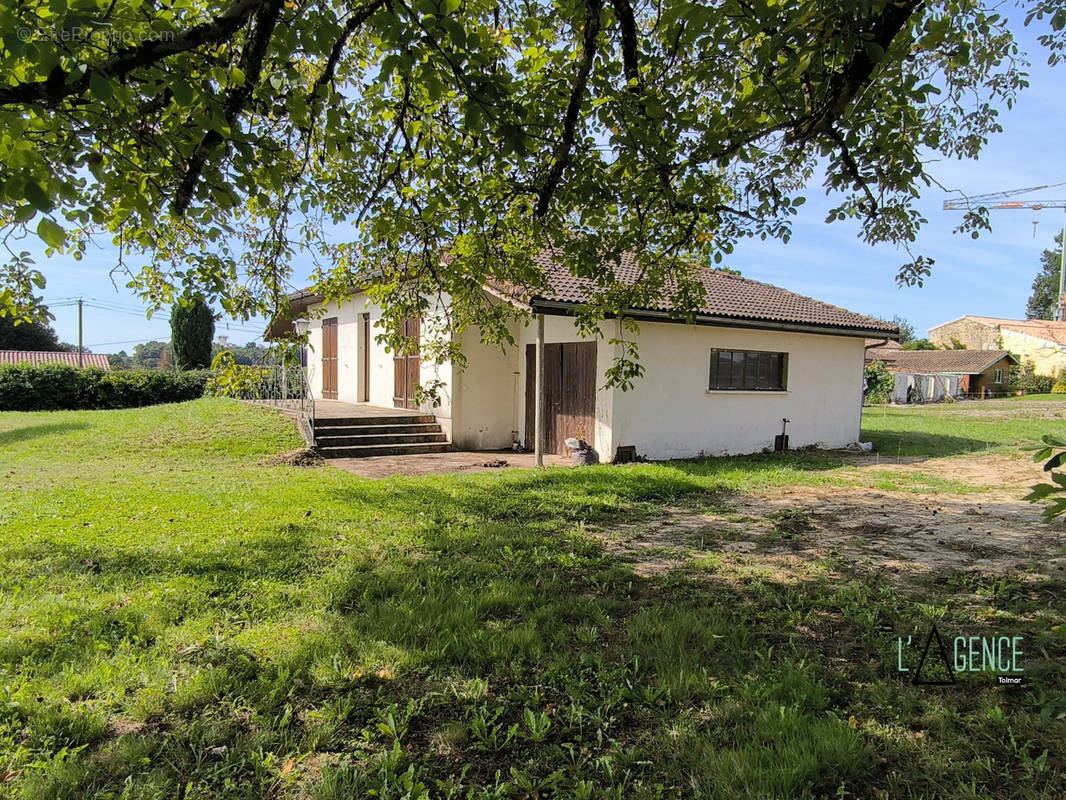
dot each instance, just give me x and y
(17, 334)
(436, 145)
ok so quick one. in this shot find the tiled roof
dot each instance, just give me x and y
(1040, 328)
(963, 362)
(880, 345)
(726, 296)
(37, 357)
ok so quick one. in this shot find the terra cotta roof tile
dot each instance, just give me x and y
(725, 295)
(37, 357)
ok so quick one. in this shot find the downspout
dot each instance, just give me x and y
(881, 343)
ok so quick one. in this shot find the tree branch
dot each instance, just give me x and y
(564, 149)
(842, 87)
(266, 19)
(57, 86)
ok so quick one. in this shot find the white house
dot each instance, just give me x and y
(754, 356)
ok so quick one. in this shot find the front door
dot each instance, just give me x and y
(329, 358)
(569, 394)
(407, 367)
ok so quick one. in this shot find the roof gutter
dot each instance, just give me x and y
(567, 309)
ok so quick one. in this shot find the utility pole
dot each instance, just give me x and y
(989, 201)
(81, 349)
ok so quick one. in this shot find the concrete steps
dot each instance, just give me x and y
(383, 435)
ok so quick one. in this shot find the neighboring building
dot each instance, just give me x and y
(755, 355)
(1041, 342)
(874, 348)
(930, 375)
(36, 358)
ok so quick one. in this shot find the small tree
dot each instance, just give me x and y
(906, 329)
(192, 328)
(919, 344)
(879, 383)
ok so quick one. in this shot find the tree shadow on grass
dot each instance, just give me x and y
(98, 591)
(27, 432)
(924, 445)
(494, 650)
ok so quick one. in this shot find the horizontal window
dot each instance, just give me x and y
(748, 370)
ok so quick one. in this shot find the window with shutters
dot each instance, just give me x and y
(748, 370)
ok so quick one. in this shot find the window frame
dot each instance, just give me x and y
(997, 378)
(744, 371)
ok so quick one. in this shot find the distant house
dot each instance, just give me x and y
(751, 357)
(1039, 341)
(36, 358)
(930, 375)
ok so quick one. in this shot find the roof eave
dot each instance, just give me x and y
(537, 305)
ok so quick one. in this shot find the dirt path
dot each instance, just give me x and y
(992, 531)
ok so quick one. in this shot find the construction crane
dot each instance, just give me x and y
(996, 201)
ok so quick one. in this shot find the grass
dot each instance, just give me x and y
(180, 620)
(950, 429)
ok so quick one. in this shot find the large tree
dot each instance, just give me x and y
(455, 139)
(1045, 294)
(18, 334)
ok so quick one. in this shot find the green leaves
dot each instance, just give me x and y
(1054, 493)
(100, 87)
(37, 196)
(383, 135)
(51, 234)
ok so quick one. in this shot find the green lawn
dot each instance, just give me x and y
(180, 620)
(948, 429)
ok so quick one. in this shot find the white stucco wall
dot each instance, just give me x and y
(668, 414)
(486, 395)
(671, 414)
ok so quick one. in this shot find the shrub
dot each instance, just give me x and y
(1059, 387)
(1025, 380)
(879, 383)
(58, 387)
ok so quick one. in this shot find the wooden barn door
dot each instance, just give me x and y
(407, 367)
(329, 358)
(569, 394)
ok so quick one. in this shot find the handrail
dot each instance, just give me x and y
(283, 383)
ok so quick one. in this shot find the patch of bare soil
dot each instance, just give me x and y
(906, 534)
(304, 457)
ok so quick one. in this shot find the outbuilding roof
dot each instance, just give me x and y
(960, 362)
(36, 358)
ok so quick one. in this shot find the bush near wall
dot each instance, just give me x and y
(1025, 380)
(56, 387)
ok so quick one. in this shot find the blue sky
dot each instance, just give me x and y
(990, 276)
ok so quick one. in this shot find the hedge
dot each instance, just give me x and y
(59, 387)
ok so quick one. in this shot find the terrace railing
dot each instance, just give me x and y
(283, 382)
